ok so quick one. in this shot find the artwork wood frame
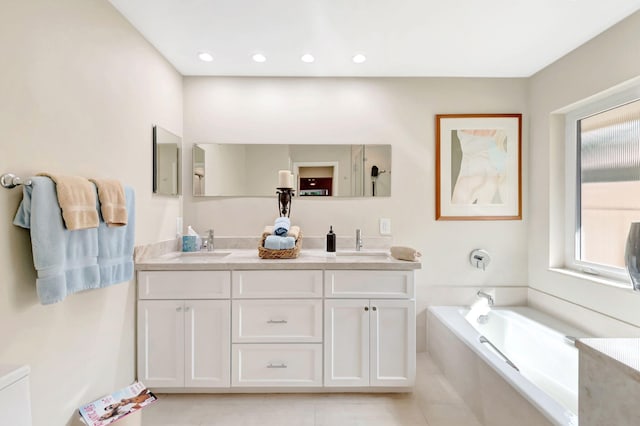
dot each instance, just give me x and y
(479, 167)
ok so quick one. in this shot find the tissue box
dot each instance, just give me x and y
(189, 243)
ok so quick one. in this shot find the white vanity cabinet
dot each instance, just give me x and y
(225, 326)
(184, 329)
(369, 329)
(277, 328)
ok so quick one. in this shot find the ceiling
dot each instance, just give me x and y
(456, 38)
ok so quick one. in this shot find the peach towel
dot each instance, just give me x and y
(113, 203)
(405, 253)
(294, 232)
(77, 200)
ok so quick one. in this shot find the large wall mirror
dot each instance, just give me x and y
(251, 170)
(167, 149)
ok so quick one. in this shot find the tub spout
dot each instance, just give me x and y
(486, 296)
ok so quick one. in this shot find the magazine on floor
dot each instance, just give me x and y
(119, 404)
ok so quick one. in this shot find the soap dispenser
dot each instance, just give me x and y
(331, 241)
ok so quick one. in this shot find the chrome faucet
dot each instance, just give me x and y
(210, 240)
(358, 240)
(486, 296)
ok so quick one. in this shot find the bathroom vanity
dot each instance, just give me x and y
(236, 323)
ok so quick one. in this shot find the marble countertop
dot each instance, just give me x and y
(625, 353)
(238, 259)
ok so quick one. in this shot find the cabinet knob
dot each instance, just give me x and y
(374, 308)
(187, 309)
(366, 308)
(179, 308)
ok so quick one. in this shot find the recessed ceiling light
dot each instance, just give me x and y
(259, 57)
(308, 58)
(205, 56)
(359, 58)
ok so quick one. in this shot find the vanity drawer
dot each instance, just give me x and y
(270, 365)
(369, 284)
(277, 320)
(277, 284)
(184, 284)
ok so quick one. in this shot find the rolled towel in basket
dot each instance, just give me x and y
(281, 226)
(405, 253)
(274, 242)
(294, 232)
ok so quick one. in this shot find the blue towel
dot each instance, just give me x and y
(281, 226)
(71, 261)
(275, 242)
(115, 246)
(66, 261)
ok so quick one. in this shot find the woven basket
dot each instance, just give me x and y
(265, 253)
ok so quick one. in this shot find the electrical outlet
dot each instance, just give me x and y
(385, 226)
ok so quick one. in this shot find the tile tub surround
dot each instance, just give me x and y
(493, 401)
(609, 382)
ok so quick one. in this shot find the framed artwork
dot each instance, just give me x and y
(478, 167)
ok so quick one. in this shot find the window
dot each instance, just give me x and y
(603, 183)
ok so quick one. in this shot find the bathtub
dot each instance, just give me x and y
(530, 351)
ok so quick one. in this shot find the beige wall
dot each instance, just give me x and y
(606, 61)
(80, 92)
(399, 112)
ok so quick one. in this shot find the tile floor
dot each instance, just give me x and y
(433, 403)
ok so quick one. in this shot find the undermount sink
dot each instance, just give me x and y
(202, 254)
(363, 253)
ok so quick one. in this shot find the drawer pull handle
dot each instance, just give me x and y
(277, 365)
(276, 321)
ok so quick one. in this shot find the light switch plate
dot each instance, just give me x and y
(179, 226)
(385, 226)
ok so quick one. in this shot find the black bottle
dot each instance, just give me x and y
(331, 240)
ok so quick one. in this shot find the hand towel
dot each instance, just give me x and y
(294, 232)
(274, 242)
(281, 226)
(405, 253)
(113, 202)
(115, 245)
(65, 260)
(77, 199)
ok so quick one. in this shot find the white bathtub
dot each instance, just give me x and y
(528, 349)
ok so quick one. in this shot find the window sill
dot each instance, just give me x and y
(610, 282)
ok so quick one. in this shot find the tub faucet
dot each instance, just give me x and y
(358, 240)
(486, 296)
(210, 240)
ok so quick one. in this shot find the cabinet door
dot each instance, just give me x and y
(161, 343)
(207, 343)
(346, 342)
(393, 342)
